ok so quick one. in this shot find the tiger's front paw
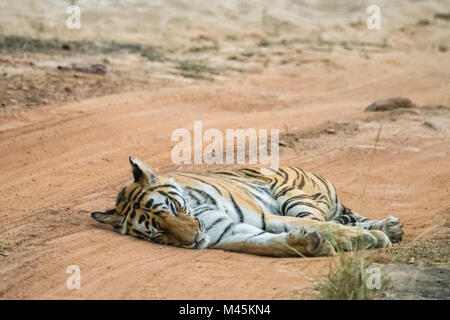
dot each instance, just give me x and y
(310, 243)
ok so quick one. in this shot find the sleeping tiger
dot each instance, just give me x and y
(278, 213)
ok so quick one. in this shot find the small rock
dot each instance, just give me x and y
(282, 143)
(96, 68)
(331, 131)
(390, 104)
(443, 16)
(423, 22)
(66, 47)
(435, 125)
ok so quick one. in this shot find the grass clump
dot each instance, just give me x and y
(214, 47)
(264, 43)
(196, 70)
(153, 54)
(247, 54)
(353, 279)
(26, 44)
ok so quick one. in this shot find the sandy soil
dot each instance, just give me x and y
(61, 161)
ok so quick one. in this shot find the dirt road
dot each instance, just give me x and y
(60, 162)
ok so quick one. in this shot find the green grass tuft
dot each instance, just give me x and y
(348, 280)
(196, 70)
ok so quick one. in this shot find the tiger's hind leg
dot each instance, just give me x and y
(391, 226)
(312, 211)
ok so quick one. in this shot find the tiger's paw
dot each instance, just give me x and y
(382, 239)
(309, 243)
(393, 228)
(354, 238)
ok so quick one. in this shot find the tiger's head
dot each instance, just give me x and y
(153, 208)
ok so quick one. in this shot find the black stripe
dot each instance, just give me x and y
(236, 207)
(325, 203)
(313, 206)
(164, 194)
(303, 214)
(263, 220)
(154, 223)
(203, 194)
(223, 233)
(325, 185)
(202, 210)
(226, 173)
(161, 186)
(120, 196)
(287, 202)
(251, 170)
(214, 223)
(172, 208)
(270, 206)
(143, 194)
(275, 181)
(255, 235)
(137, 194)
(139, 233)
(202, 181)
(190, 194)
(131, 193)
(283, 191)
(297, 176)
(302, 183)
(127, 211)
(286, 176)
(149, 203)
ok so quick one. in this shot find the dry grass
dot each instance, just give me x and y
(348, 280)
(196, 70)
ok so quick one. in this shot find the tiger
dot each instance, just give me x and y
(284, 212)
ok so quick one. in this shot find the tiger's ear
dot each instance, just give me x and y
(141, 173)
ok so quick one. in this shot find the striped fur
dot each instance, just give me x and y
(284, 212)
